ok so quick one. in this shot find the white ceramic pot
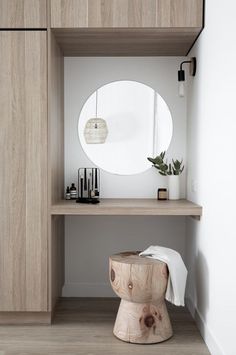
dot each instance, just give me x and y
(174, 187)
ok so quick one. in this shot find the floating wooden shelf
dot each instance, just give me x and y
(126, 42)
(130, 207)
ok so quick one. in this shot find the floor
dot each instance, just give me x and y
(84, 327)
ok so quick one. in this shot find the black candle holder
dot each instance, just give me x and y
(88, 185)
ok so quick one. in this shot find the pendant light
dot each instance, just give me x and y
(96, 130)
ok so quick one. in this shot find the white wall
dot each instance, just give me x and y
(211, 243)
(90, 240)
(82, 77)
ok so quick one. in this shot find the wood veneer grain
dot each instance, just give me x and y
(23, 176)
(84, 326)
(126, 13)
(55, 168)
(126, 41)
(22, 318)
(126, 27)
(23, 14)
(123, 207)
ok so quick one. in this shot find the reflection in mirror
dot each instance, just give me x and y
(138, 124)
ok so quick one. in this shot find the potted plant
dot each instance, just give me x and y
(172, 171)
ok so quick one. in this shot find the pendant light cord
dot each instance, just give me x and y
(154, 122)
(96, 103)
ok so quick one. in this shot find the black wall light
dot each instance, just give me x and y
(181, 74)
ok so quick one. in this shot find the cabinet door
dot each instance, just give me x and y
(23, 14)
(23, 171)
(126, 13)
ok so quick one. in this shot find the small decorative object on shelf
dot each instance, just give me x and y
(162, 194)
(89, 185)
(73, 192)
(68, 193)
(172, 170)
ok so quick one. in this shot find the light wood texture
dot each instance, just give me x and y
(126, 27)
(84, 326)
(14, 318)
(55, 168)
(23, 176)
(56, 119)
(23, 14)
(126, 13)
(136, 278)
(57, 260)
(126, 42)
(179, 13)
(142, 323)
(123, 207)
(141, 284)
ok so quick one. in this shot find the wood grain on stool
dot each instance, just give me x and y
(141, 283)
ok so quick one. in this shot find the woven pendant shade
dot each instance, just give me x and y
(95, 131)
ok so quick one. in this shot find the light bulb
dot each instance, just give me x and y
(181, 88)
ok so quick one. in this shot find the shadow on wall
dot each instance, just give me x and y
(202, 286)
(90, 240)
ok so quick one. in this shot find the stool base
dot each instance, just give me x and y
(142, 323)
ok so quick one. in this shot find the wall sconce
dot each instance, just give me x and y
(181, 74)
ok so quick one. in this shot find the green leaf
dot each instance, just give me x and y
(159, 160)
(176, 164)
(151, 160)
(160, 172)
(162, 155)
(164, 167)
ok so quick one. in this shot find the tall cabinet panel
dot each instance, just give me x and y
(23, 13)
(23, 171)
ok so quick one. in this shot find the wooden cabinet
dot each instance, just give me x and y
(126, 27)
(32, 123)
(126, 13)
(23, 14)
(23, 173)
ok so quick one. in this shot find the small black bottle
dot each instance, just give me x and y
(73, 192)
(67, 193)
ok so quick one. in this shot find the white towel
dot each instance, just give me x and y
(177, 272)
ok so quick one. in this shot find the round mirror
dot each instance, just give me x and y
(123, 123)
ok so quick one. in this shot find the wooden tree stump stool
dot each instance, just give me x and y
(141, 284)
